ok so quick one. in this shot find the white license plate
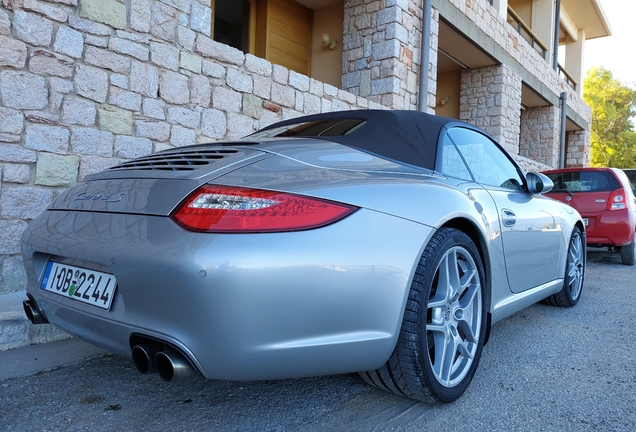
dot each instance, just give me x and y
(585, 221)
(88, 286)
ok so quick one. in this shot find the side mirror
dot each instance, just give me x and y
(538, 183)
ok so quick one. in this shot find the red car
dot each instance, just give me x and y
(605, 199)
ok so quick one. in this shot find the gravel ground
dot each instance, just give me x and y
(544, 369)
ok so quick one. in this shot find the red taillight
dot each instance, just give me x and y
(228, 209)
(617, 200)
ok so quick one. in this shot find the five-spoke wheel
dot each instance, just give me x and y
(444, 325)
(574, 273)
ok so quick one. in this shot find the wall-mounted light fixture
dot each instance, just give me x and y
(444, 100)
(328, 42)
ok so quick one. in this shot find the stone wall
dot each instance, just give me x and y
(490, 98)
(529, 165)
(381, 52)
(503, 34)
(541, 135)
(85, 84)
(578, 149)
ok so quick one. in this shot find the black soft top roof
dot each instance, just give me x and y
(406, 136)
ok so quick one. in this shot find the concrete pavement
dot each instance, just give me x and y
(26, 349)
(30, 360)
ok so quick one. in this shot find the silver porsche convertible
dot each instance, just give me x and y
(380, 242)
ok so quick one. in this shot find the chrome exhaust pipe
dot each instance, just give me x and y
(144, 357)
(33, 312)
(173, 366)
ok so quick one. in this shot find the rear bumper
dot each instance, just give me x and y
(240, 307)
(610, 228)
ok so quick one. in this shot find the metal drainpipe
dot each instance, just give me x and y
(557, 27)
(564, 108)
(425, 56)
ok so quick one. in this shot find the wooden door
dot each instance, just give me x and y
(283, 34)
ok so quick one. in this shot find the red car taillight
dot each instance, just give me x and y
(228, 209)
(617, 200)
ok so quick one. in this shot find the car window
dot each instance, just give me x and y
(631, 175)
(336, 127)
(452, 163)
(487, 162)
(584, 181)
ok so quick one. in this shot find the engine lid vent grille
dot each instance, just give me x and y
(177, 161)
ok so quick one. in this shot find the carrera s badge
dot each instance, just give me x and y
(105, 197)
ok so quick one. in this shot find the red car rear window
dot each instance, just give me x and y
(584, 181)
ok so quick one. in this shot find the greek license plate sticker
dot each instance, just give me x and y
(87, 286)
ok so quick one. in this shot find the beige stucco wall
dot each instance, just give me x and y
(326, 64)
(523, 8)
(448, 94)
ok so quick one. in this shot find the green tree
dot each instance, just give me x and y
(613, 103)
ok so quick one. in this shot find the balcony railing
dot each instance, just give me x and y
(567, 77)
(525, 32)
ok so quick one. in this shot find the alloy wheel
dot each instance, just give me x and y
(454, 317)
(575, 266)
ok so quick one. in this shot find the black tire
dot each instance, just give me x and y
(441, 304)
(627, 253)
(574, 274)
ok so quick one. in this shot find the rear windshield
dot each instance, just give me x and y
(337, 127)
(584, 181)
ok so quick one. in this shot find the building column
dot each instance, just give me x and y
(574, 60)
(542, 25)
(381, 51)
(490, 98)
(578, 149)
(540, 134)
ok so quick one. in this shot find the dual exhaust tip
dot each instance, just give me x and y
(151, 358)
(169, 363)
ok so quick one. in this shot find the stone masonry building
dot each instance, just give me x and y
(86, 84)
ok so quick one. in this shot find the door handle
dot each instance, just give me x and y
(508, 218)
